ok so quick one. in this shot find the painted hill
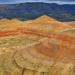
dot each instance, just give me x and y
(41, 24)
(28, 11)
(47, 23)
(32, 48)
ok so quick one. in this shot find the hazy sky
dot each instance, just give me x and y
(47, 1)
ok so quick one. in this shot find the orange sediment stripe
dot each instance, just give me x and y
(23, 31)
(8, 33)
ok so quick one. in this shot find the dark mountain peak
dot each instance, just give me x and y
(39, 3)
(26, 11)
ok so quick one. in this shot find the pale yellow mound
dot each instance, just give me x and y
(43, 23)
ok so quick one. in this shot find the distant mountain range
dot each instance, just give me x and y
(28, 11)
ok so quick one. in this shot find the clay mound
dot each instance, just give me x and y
(11, 21)
(45, 53)
(47, 56)
(34, 54)
(45, 23)
(6, 24)
(44, 18)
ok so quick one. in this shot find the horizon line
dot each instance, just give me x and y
(57, 2)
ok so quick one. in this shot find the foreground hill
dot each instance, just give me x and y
(26, 11)
(36, 47)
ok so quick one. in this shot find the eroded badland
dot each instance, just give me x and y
(43, 46)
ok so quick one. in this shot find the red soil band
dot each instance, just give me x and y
(23, 31)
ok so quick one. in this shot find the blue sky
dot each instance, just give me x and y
(47, 1)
